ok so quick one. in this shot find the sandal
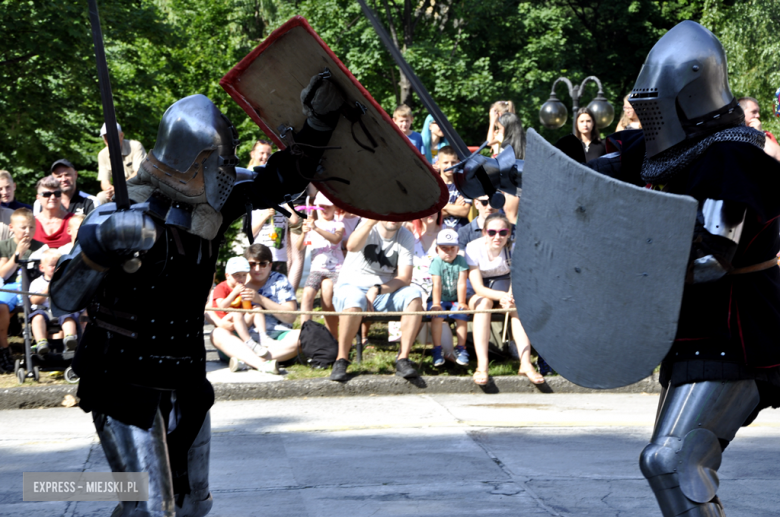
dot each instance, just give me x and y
(480, 378)
(533, 376)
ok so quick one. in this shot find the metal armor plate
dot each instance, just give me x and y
(598, 269)
(394, 183)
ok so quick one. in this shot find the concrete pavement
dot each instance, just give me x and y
(426, 455)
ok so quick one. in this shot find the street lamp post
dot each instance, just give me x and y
(554, 114)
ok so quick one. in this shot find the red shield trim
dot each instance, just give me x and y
(395, 183)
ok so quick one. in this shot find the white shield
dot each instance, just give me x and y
(598, 269)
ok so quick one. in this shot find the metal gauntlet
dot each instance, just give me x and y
(716, 237)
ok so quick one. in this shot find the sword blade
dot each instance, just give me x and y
(449, 132)
(112, 135)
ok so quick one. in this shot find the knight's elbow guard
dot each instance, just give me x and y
(719, 225)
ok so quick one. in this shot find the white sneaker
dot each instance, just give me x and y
(269, 367)
(237, 365)
(260, 350)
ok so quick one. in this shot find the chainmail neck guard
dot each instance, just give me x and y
(666, 165)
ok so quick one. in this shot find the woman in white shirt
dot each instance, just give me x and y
(489, 260)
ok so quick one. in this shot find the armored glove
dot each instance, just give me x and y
(115, 236)
(321, 102)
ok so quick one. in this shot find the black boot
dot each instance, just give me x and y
(6, 360)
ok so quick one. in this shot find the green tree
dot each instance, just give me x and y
(50, 107)
(748, 31)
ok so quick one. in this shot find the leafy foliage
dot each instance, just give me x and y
(468, 53)
(749, 32)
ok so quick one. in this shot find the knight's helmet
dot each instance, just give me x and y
(682, 91)
(194, 159)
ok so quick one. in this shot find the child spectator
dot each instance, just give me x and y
(74, 223)
(40, 316)
(20, 245)
(324, 236)
(456, 210)
(450, 273)
(403, 118)
(228, 294)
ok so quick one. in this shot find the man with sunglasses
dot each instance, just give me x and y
(73, 200)
(473, 230)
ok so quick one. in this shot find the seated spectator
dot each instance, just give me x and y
(323, 235)
(489, 261)
(133, 153)
(74, 223)
(41, 312)
(586, 131)
(629, 119)
(449, 272)
(259, 154)
(73, 200)
(8, 192)
(496, 110)
(268, 290)
(51, 223)
(473, 230)
(403, 118)
(228, 294)
(511, 133)
(379, 261)
(19, 247)
(456, 210)
(753, 119)
(433, 139)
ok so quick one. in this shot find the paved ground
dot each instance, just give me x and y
(421, 455)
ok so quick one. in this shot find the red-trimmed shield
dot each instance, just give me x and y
(394, 183)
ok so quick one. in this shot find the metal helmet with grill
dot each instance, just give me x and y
(683, 87)
(194, 159)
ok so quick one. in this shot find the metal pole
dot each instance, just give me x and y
(112, 135)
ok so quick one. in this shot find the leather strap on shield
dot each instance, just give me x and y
(351, 113)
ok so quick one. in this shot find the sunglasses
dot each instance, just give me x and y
(503, 232)
(484, 202)
(263, 264)
(49, 193)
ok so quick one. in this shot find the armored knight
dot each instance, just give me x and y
(143, 375)
(722, 368)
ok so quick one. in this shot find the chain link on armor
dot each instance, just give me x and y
(668, 164)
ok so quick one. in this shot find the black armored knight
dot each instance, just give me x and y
(724, 364)
(144, 275)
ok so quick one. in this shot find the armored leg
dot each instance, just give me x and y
(198, 501)
(131, 449)
(684, 454)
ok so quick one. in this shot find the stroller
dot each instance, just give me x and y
(58, 358)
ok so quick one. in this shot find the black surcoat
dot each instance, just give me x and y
(730, 329)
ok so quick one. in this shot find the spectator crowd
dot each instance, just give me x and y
(457, 259)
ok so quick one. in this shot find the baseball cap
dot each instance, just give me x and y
(237, 265)
(63, 162)
(103, 129)
(320, 199)
(447, 237)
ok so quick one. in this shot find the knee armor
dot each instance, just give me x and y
(683, 458)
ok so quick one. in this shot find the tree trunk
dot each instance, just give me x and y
(406, 89)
